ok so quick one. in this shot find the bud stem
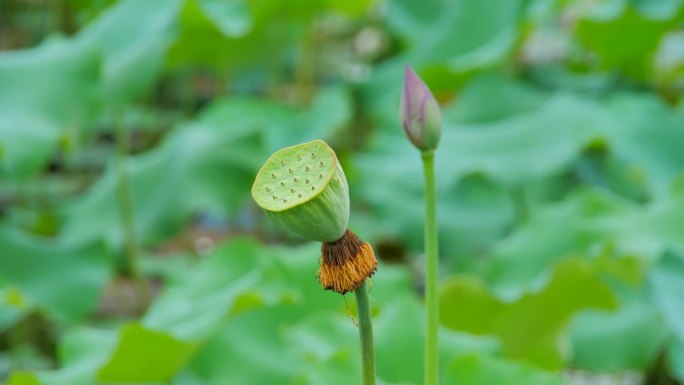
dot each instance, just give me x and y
(431, 271)
(366, 333)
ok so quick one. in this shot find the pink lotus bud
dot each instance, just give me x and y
(420, 114)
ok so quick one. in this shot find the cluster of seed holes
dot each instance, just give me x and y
(321, 164)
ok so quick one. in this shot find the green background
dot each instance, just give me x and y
(131, 132)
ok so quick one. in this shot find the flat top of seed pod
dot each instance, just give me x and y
(294, 175)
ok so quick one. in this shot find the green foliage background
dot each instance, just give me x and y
(130, 133)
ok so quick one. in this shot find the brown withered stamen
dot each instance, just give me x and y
(346, 263)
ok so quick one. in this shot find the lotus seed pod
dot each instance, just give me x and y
(304, 189)
(420, 113)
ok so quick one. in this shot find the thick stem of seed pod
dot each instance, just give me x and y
(366, 333)
(431, 272)
(346, 263)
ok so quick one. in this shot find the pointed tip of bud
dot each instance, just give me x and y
(411, 78)
(419, 111)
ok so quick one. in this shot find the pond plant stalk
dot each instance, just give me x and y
(422, 122)
(304, 189)
(126, 212)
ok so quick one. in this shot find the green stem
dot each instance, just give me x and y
(127, 219)
(431, 272)
(366, 332)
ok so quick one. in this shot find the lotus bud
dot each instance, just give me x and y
(304, 189)
(420, 113)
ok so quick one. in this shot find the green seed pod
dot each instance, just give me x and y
(304, 188)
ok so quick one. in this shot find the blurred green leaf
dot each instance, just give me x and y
(198, 40)
(87, 347)
(676, 360)
(396, 342)
(530, 327)
(239, 27)
(26, 144)
(48, 92)
(48, 273)
(145, 355)
(132, 38)
(646, 136)
(233, 19)
(23, 378)
(627, 339)
(56, 81)
(13, 307)
(458, 38)
(81, 352)
(250, 347)
(483, 370)
(521, 257)
(492, 96)
(666, 281)
(204, 166)
(591, 220)
(624, 36)
(199, 302)
(281, 125)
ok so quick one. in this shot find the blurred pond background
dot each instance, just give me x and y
(131, 131)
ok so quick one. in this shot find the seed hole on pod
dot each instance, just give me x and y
(299, 195)
(313, 188)
(292, 191)
(320, 176)
(307, 181)
(307, 169)
(282, 163)
(282, 184)
(299, 157)
(273, 176)
(320, 164)
(290, 170)
(268, 189)
(284, 200)
(275, 197)
(296, 180)
(313, 156)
